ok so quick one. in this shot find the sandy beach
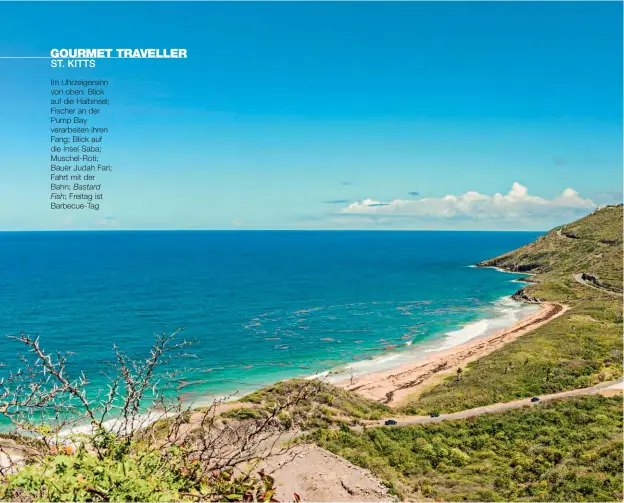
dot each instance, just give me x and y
(394, 385)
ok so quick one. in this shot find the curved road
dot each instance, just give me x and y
(579, 279)
(515, 404)
(499, 407)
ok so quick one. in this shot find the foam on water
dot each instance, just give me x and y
(505, 312)
(118, 425)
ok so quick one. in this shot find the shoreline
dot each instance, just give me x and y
(394, 385)
(394, 382)
(502, 309)
(227, 401)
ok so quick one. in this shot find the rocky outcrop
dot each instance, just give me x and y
(595, 280)
(506, 265)
(569, 235)
(529, 279)
(523, 295)
(591, 278)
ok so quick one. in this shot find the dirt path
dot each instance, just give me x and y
(319, 475)
(601, 388)
(579, 279)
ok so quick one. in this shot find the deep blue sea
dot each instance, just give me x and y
(262, 305)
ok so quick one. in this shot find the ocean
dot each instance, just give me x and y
(262, 305)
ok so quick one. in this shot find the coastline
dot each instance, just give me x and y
(392, 385)
(395, 385)
(383, 366)
(396, 380)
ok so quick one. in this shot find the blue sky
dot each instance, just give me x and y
(326, 115)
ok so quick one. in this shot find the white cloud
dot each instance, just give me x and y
(516, 209)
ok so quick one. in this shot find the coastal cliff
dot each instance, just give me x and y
(523, 295)
(590, 247)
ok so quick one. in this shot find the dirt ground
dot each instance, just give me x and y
(318, 475)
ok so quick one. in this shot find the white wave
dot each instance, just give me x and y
(505, 310)
(504, 271)
(319, 375)
(118, 425)
(506, 313)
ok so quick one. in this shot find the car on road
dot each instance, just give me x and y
(535, 399)
(390, 422)
(434, 414)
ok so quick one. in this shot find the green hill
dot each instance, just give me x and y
(568, 451)
(578, 349)
(591, 245)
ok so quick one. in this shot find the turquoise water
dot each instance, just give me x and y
(262, 306)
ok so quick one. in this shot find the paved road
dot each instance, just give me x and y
(579, 278)
(499, 407)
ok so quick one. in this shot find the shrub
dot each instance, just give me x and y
(134, 476)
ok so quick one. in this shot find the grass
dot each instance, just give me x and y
(601, 225)
(242, 413)
(580, 348)
(592, 245)
(321, 404)
(569, 450)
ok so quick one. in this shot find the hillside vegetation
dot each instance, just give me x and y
(580, 348)
(326, 406)
(591, 245)
(570, 450)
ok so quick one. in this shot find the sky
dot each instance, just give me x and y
(451, 116)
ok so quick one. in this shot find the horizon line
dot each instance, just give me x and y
(275, 230)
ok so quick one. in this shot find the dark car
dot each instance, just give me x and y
(535, 399)
(434, 414)
(390, 422)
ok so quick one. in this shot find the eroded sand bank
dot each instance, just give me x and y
(394, 385)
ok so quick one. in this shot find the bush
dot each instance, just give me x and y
(242, 413)
(541, 455)
(135, 475)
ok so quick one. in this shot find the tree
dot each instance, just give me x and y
(459, 374)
